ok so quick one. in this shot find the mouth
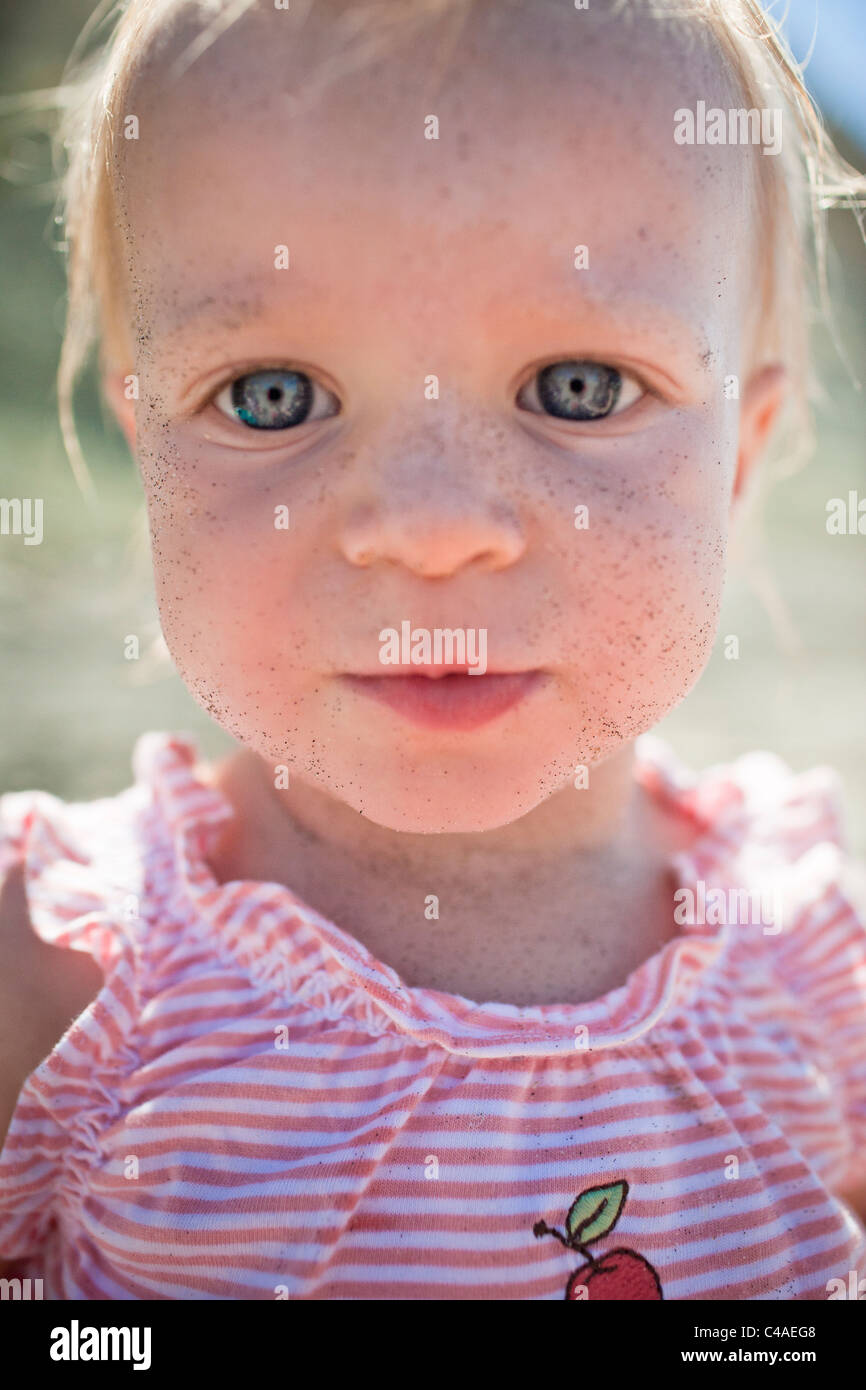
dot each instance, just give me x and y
(447, 699)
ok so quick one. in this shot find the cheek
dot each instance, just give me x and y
(229, 577)
(645, 578)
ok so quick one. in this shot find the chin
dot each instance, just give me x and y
(457, 795)
(411, 818)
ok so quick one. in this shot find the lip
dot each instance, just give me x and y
(447, 699)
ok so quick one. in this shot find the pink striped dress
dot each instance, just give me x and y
(253, 1107)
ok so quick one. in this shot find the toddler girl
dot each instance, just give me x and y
(446, 337)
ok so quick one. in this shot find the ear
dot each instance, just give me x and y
(115, 385)
(760, 404)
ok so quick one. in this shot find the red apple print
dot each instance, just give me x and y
(620, 1274)
(617, 1276)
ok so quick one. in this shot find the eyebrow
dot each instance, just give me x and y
(226, 306)
(660, 324)
(220, 307)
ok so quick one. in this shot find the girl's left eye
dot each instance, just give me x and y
(577, 390)
(275, 399)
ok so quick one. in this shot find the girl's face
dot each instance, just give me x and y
(429, 470)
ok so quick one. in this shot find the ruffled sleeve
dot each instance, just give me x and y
(86, 902)
(822, 959)
(820, 951)
(784, 833)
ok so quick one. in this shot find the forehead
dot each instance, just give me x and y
(555, 129)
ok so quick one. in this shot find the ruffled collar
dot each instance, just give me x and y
(284, 943)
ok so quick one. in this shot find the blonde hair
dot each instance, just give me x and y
(795, 189)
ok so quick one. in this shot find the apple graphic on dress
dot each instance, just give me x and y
(619, 1274)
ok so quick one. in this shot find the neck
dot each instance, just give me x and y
(555, 907)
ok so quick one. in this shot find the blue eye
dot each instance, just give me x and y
(276, 398)
(577, 390)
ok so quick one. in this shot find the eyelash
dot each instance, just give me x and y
(626, 379)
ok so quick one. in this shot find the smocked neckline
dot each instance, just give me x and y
(283, 941)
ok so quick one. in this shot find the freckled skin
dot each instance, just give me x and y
(455, 258)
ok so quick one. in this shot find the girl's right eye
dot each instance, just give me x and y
(276, 398)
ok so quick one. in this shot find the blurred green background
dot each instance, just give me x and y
(71, 705)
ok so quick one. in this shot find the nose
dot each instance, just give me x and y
(433, 514)
(433, 541)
